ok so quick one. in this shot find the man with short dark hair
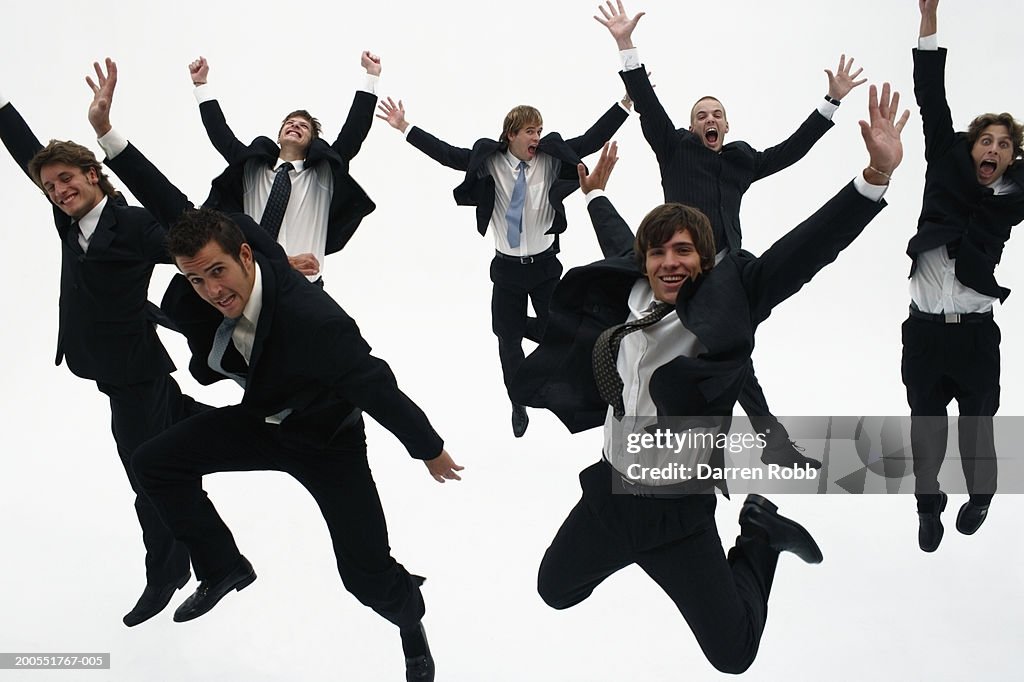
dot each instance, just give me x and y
(315, 205)
(307, 376)
(973, 195)
(699, 169)
(517, 184)
(665, 334)
(106, 331)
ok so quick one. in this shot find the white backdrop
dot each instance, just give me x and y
(877, 607)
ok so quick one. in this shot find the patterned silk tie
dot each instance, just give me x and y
(220, 346)
(514, 214)
(277, 202)
(606, 353)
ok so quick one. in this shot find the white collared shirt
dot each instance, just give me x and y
(87, 224)
(538, 214)
(244, 334)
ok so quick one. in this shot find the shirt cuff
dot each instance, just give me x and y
(929, 43)
(593, 194)
(204, 93)
(113, 143)
(370, 84)
(408, 130)
(630, 59)
(621, 106)
(4, 101)
(867, 190)
(826, 108)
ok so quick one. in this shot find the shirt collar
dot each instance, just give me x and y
(87, 223)
(514, 161)
(255, 303)
(297, 165)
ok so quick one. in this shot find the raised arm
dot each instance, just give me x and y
(19, 139)
(930, 86)
(438, 150)
(795, 258)
(613, 234)
(217, 129)
(598, 134)
(360, 114)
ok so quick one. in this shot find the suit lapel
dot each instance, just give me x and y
(103, 235)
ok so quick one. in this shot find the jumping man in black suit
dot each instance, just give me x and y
(688, 358)
(698, 169)
(517, 184)
(307, 376)
(311, 206)
(973, 194)
(106, 331)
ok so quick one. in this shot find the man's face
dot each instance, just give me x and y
(669, 265)
(72, 190)
(708, 122)
(219, 279)
(523, 143)
(992, 153)
(297, 132)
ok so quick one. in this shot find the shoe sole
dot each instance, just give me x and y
(237, 587)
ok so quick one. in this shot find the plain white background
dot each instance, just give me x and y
(877, 607)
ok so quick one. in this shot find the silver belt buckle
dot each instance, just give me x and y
(952, 318)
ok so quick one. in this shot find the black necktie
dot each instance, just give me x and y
(606, 353)
(277, 202)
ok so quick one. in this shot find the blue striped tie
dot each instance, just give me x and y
(514, 215)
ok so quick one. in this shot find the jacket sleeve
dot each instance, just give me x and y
(599, 133)
(792, 149)
(930, 90)
(357, 125)
(151, 187)
(220, 134)
(440, 151)
(658, 129)
(613, 234)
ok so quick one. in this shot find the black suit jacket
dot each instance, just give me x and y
(477, 189)
(349, 203)
(308, 355)
(957, 209)
(106, 331)
(722, 308)
(713, 182)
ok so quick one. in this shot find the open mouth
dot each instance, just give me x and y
(532, 149)
(711, 135)
(225, 302)
(987, 167)
(673, 280)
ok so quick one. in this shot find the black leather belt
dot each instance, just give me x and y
(550, 252)
(951, 318)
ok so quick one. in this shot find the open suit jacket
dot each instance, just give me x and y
(349, 203)
(957, 209)
(477, 189)
(308, 355)
(106, 330)
(723, 308)
(713, 182)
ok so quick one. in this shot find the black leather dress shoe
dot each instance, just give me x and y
(520, 420)
(784, 535)
(970, 518)
(153, 600)
(420, 668)
(210, 592)
(786, 453)
(929, 531)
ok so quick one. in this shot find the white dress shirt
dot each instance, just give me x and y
(87, 224)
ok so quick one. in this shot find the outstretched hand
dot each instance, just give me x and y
(443, 468)
(394, 114)
(370, 62)
(618, 24)
(199, 70)
(102, 96)
(598, 178)
(881, 133)
(842, 81)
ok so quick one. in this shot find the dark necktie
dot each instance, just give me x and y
(606, 353)
(277, 202)
(514, 214)
(221, 340)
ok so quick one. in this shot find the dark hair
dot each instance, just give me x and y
(73, 154)
(302, 113)
(704, 98)
(517, 119)
(198, 227)
(1015, 129)
(664, 221)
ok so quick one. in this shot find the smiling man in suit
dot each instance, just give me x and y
(660, 329)
(517, 184)
(699, 169)
(299, 188)
(973, 195)
(307, 376)
(106, 327)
